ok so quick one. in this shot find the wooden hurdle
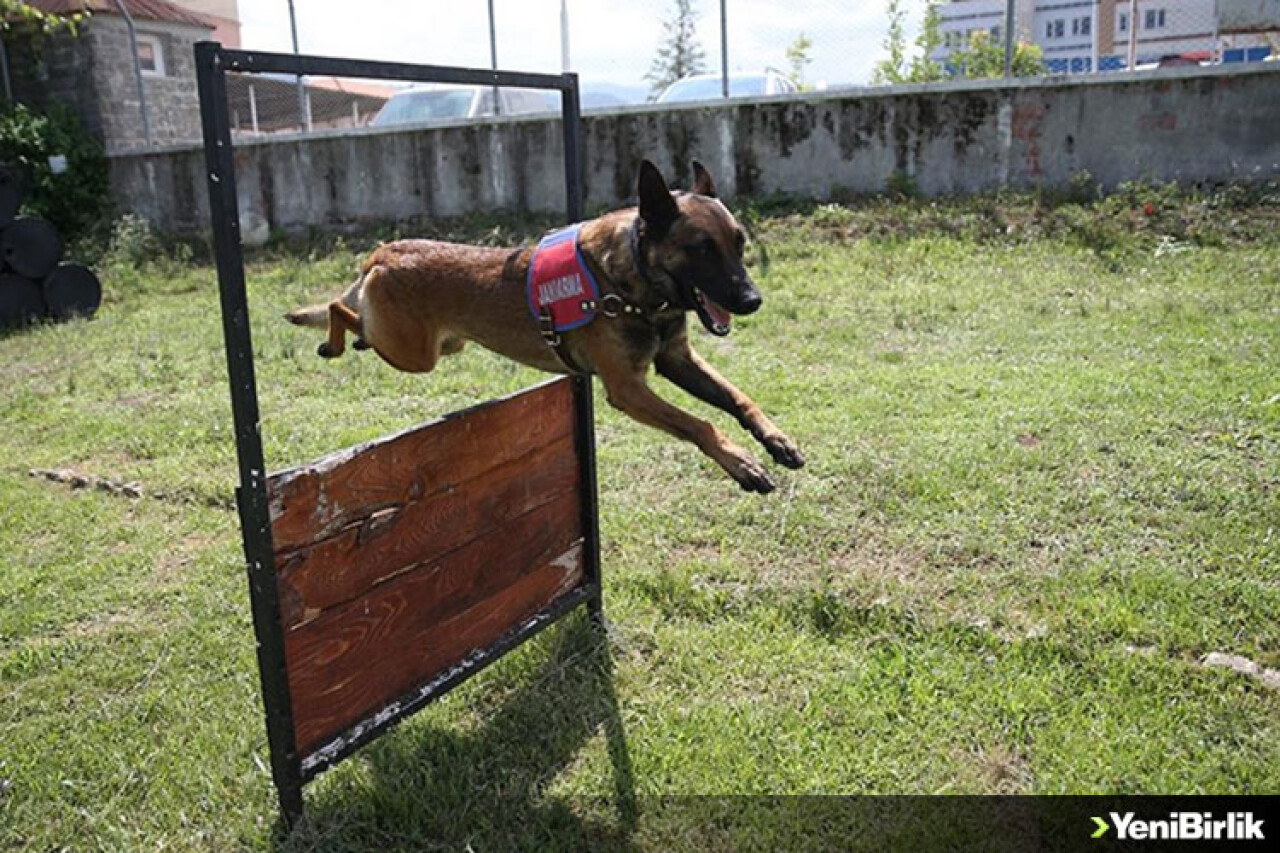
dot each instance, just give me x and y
(382, 576)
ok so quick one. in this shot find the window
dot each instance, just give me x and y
(1086, 26)
(1154, 19)
(150, 56)
(1123, 25)
(1059, 28)
(995, 33)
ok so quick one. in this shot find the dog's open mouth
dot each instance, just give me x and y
(716, 319)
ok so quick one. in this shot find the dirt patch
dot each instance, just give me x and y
(81, 480)
(1244, 666)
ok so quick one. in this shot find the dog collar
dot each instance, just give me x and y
(642, 263)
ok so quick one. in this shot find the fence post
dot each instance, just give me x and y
(1133, 34)
(724, 48)
(1009, 15)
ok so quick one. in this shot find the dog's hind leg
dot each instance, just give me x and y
(341, 320)
(406, 340)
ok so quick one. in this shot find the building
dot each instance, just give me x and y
(93, 72)
(96, 71)
(223, 14)
(1080, 36)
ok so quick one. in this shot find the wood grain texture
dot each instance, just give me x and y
(317, 501)
(396, 539)
(354, 658)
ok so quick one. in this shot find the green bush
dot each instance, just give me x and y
(73, 201)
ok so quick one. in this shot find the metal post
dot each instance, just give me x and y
(724, 48)
(253, 108)
(584, 412)
(1093, 41)
(564, 36)
(1009, 21)
(4, 70)
(137, 71)
(303, 120)
(493, 59)
(1133, 34)
(251, 494)
(572, 131)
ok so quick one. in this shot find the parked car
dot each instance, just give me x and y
(600, 95)
(742, 84)
(425, 104)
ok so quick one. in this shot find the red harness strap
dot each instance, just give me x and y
(559, 282)
(562, 292)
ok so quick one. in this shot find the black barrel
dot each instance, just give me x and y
(31, 247)
(11, 189)
(21, 301)
(72, 290)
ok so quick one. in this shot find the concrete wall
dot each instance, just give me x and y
(1187, 125)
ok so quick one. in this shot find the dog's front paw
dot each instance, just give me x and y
(326, 351)
(783, 450)
(752, 476)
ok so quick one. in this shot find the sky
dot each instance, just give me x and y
(611, 41)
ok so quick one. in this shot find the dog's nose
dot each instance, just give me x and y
(750, 303)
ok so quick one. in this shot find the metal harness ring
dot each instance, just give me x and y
(612, 311)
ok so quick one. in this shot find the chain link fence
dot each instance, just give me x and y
(1095, 36)
(631, 53)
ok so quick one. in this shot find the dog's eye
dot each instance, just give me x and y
(706, 248)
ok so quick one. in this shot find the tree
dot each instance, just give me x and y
(680, 54)
(798, 57)
(984, 58)
(896, 68)
(16, 15)
(893, 69)
(923, 68)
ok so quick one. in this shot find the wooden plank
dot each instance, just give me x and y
(362, 556)
(355, 658)
(316, 501)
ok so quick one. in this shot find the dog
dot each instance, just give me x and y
(651, 265)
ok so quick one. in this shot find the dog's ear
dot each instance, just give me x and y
(702, 183)
(657, 208)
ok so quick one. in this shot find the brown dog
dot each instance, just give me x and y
(677, 252)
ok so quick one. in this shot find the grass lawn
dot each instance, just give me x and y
(1043, 483)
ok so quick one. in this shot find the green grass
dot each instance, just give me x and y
(1043, 482)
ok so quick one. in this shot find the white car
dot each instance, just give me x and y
(440, 103)
(742, 84)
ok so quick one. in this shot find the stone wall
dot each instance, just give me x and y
(93, 74)
(172, 101)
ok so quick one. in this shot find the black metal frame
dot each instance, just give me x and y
(288, 769)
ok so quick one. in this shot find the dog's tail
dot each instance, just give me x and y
(317, 316)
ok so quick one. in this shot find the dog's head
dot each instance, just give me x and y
(697, 246)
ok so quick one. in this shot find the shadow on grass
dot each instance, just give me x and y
(483, 788)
